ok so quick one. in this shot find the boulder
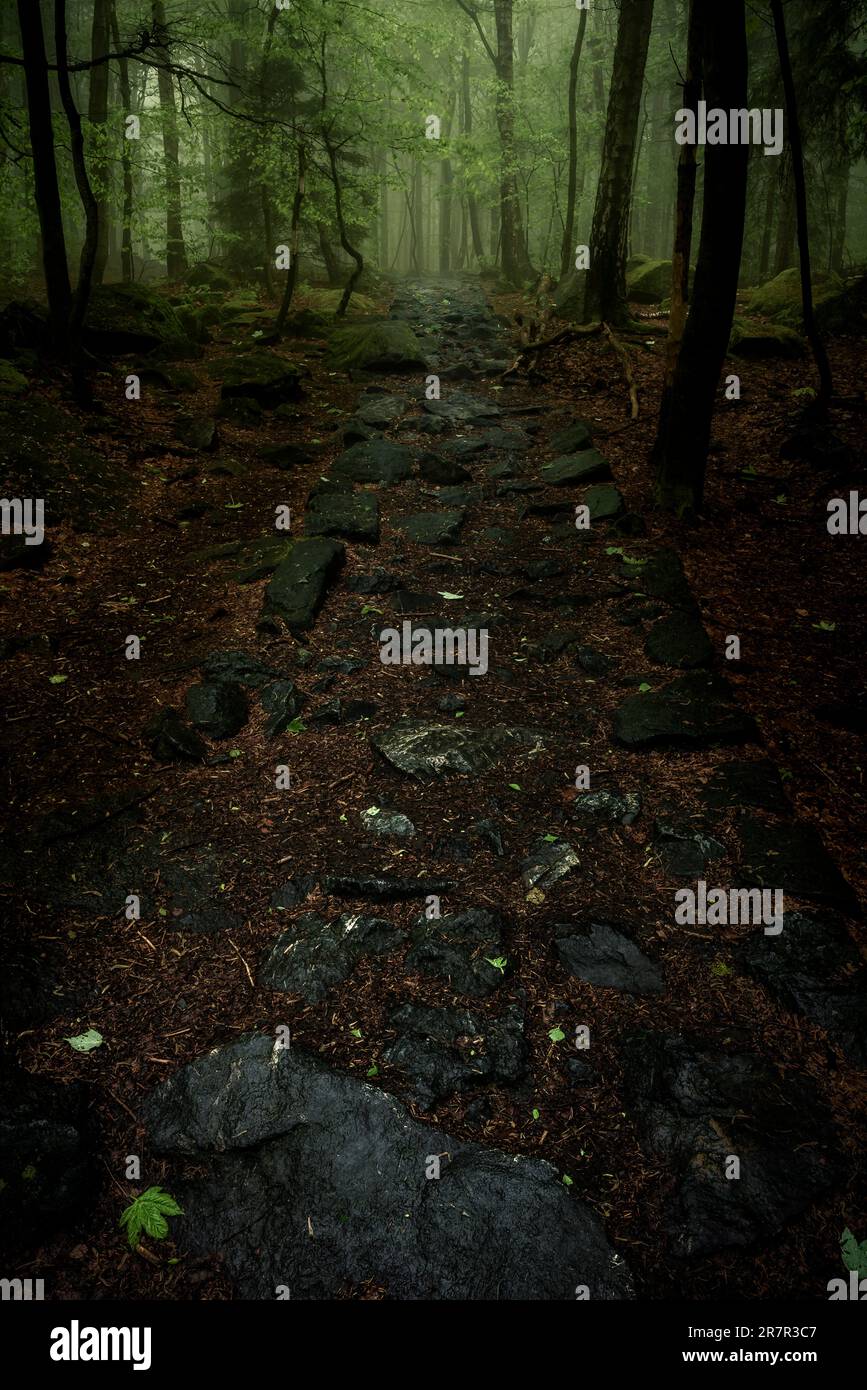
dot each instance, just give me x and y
(376, 345)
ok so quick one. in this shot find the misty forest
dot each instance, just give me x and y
(431, 632)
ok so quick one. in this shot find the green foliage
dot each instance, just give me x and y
(854, 1254)
(147, 1213)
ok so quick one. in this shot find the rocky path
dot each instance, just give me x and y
(473, 1051)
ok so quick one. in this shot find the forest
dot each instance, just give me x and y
(363, 940)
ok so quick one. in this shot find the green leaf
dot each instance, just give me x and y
(373, 1071)
(515, 786)
(825, 626)
(147, 1213)
(556, 1035)
(85, 1042)
(235, 753)
(443, 593)
(297, 726)
(369, 608)
(567, 1180)
(550, 839)
(57, 680)
(643, 688)
(535, 1114)
(854, 1254)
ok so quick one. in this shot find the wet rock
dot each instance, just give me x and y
(738, 784)
(679, 640)
(240, 669)
(607, 807)
(433, 528)
(553, 644)
(696, 709)
(270, 1178)
(47, 1155)
(381, 411)
(375, 461)
(383, 888)
(424, 749)
(342, 665)
(377, 345)
(586, 467)
(573, 438)
(694, 1106)
(605, 955)
(684, 850)
(313, 955)
(814, 968)
(459, 948)
(355, 516)
(293, 891)
(793, 858)
(344, 711)
(261, 558)
(384, 823)
(298, 586)
(379, 581)
(171, 740)
(547, 863)
(663, 577)
(593, 662)
(282, 701)
(442, 472)
(604, 502)
(262, 376)
(462, 407)
(286, 456)
(444, 1051)
(218, 708)
(129, 318)
(196, 432)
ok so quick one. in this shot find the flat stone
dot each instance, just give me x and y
(459, 948)
(607, 807)
(433, 528)
(793, 858)
(282, 701)
(738, 784)
(685, 850)
(604, 502)
(443, 472)
(384, 824)
(697, 709)
(218, 708)
(593, 662)
(679, 640)
(573, 438)
(298, 586)
(171, 740)
(354, 515)
(312, 956)
(374, 461)
(605, 955)
(383, 888)
(460, 406)
(263, 377)
(262, 558)
(547, 863)
(381, 411)
(289, 1145)
(240, 669)
(286, 456)
(663, 577)
(197, 432)
(445, 1051)
(378, 581)
(586, 467)
(695, 1105)
(424, 749)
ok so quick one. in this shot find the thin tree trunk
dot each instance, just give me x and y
(97, 113)
(341, 227)
(56, 270)
(823, 366)
(683, 460)
(292, 272)
(768, 224)
(515, 261)
(472, 202)
(567, 251)
(784, 252)
(176, 253)
(126, 255)
(445, 200)
(87, 261)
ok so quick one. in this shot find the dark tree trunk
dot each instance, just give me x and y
(784, 253)
(176, 254)
(605, 295)
(567, 249)
(813, 337)
(472, 203)
(768, 224)
(126, 257)
(341, 227)
(683, 460)
(81, 297)
(97, 112)
(332, 265)
(515, 261)
(58, 288)
(446, 196)
(292, 273)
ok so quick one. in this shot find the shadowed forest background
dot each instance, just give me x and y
(323, 316)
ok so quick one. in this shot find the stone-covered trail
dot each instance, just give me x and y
(422, 1022)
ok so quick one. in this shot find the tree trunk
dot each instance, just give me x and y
(57, 286)
(784, 253)
(176, 254)
(467, 123)
(332, 265)
(81, 297)
(768, 224)
(683, 460)
(97, 112)
(295, 244)
(341, 226)
(567, 249)
(446, 196)
(821, 357)
(605, 294)
(126, 256)
(515, 261)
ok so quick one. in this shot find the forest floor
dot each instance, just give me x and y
(693, 1022)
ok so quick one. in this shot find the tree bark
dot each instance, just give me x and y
(295, 244)
(467, 123)
(567, 250)
(126, 256)
(341, 227)
(87, 261)
(56, 270)
(683, 459)
(97, 113)
(515, 261)
(176, 253)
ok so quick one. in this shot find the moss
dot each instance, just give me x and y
(751, 339)
(780, 299)
(12, 383)
(648, 281)
(135, 318)
(378, 344)
(327, 301)
(211, 276)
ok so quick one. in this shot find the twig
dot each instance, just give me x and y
(624, 358)
(243, 962)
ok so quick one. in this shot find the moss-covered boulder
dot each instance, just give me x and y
(376, 345)
(307, 323)
(647, 281)
(324, 301)
(751, 339)
(259, 375)
(12, 382)
(210, 276)
(780, 299)
(135, 318)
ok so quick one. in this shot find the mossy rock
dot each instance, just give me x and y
(307, 323)
(648, 281)
(324, 301)
(134, 318)
(259, 375)
(12, 383)
(755, 341)
(780, 299)
(211, 276)
(385, 345)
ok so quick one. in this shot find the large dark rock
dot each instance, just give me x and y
(299, 583)
(663, 577)
(606, 807)
(548, 862)
(792, 857)
(171, 739)
(814, 968)
(605, 955)
(377, 345)
(312, 956)
(679, 640)
(604, 502)
(374, 461)
(586, 467)
(696, 709)
(131, 319)
(685, 850)
(218, 708)
(316, 1181)
(353, 515)
(282, 701)
(241, 669)
(285, 456)
(449, 1050)
(739, 783)
(48, 1169)
(696, 1106)
(443, 472)
(384, 888)
(381, 411)
(459, 948)
(433, 528)
(424, 749)
(262, 376)
(573, 438)
(463, 408)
